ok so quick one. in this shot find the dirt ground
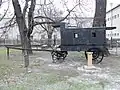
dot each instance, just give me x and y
(42, 74)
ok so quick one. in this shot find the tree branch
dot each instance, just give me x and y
(9, 23)
(39, 23)
(25, 8)
(69, 11)
(30, 17)
(5, 11)
(19, 16)
(44, 18)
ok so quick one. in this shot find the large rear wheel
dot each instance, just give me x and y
(97, 55)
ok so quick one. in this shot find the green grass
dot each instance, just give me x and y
(51, 81)
(85, 85)
(4, 50)
(4, 70)
(7, 66)
(44, 79)
(77, 54)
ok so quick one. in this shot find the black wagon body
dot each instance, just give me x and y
(82, 39)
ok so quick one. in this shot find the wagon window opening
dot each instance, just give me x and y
(93, 34)
(75, 35)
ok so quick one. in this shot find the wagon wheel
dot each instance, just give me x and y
(58, 56)
(64, 54)
(97, 55)
(54, 56)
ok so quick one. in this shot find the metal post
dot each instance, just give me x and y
(111, 23)
(116, 47)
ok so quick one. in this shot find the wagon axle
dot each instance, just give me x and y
(59, 56)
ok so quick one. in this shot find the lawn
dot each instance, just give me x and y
(43, 75)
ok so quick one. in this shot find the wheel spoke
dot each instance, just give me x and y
(97, 55)
(99, 59)
(58, 56)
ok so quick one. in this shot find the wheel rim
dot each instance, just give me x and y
(97, 55)
(64, 54)
(58, 56)
(54, 57)
(98, 59)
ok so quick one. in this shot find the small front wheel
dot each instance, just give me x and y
(58, 56)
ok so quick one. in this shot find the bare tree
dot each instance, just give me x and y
(22, 28)
(52, 15)
(24, 31)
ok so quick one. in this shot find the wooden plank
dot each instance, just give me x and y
(28, 49)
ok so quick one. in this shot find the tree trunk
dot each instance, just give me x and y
(49, 39)
(100, 14)
(30, 23)
(100, 18)
(29, 45)
(22, 29)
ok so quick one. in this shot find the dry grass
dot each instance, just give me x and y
(14, 77)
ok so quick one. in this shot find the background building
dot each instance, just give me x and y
(113, 19)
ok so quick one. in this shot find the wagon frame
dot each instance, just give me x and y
(81, 39)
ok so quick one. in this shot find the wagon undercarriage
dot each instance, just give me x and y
(59, 56)
(81, 39)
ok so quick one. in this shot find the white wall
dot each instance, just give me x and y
(115, 22)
